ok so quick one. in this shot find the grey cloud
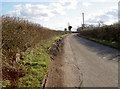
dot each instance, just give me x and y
(113, 12)
(108, 16)
(43, 11)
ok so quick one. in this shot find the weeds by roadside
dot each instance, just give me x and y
(21, 63)
(108, 35)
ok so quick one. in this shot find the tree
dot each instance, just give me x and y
(69, 28)
(65, 29)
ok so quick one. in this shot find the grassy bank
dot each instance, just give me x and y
(108, 35)
(35, 63)
(24, 51)
(112, 44)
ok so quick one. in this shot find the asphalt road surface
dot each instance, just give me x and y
(84, 63)
(89, 64)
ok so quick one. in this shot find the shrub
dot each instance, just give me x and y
(17, 36)
(109, 33)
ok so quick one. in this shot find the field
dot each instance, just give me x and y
(24, 52)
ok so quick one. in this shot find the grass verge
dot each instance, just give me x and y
(35, 63)
(112, 44)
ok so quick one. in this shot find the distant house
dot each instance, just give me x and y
(119, 11)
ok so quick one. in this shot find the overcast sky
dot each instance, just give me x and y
(56, 14)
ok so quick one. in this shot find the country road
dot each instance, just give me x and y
(86, 64)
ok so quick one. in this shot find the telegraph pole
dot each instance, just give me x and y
(68, 24)
(83, 25)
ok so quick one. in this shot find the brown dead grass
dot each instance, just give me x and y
(17, 36)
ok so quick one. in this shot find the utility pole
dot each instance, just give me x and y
(68, 24)
(83, 25)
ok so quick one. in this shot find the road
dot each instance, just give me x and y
(87, 64)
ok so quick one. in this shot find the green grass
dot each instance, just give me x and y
(108, 43)
(105, 42)
(36, 64)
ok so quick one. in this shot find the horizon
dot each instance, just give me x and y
(56, 14)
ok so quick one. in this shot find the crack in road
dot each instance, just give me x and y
(76, 65)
